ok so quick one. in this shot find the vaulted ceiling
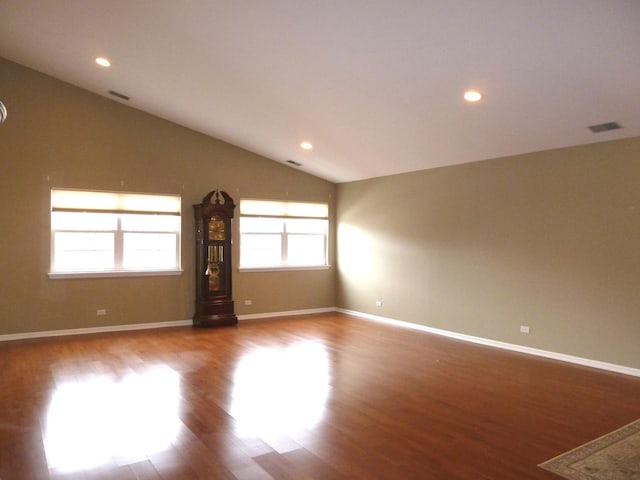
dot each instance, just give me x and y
(375, 85)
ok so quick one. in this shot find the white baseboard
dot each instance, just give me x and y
(84, 331)
(497, 344)
(290, 313)
(446, 333)
(148, 326)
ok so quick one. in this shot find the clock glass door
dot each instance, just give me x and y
(215, 255)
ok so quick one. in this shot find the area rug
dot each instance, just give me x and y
(615, 456)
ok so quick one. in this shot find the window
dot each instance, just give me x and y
(283, 234)
(114, 233)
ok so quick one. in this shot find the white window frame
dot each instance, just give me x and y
(121, 205)
(283, 211)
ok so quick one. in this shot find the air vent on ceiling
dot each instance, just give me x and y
(119, 95)
(294, 163)
(604, 127)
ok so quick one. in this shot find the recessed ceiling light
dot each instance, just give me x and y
(472, 96)
(103, 62)
(306, 146)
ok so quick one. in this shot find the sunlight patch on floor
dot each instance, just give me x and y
(101, 420)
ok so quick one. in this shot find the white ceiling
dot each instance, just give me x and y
(375, 85)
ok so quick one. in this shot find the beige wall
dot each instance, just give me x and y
(550, 240)
(57, 135)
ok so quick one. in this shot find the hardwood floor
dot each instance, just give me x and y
(319, 397)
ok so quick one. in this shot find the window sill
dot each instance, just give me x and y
(283, 268)
(118, 273)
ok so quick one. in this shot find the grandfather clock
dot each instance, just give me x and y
(214, 302)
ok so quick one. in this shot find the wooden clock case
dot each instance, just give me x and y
(214, 300)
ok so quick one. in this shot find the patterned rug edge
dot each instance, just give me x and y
(561, 464)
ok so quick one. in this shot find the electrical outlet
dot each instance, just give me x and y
(101, 311)
(248, 302)
(378, 303)
(524, 328)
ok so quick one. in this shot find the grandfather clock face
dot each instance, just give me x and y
(216, 228)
